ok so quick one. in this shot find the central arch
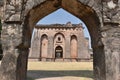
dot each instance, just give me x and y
(84, 12)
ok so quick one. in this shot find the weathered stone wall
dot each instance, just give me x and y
(11, 38)
(100, 16)
(1, 13)
(111, 38)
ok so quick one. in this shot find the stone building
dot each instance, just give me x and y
(59, 42)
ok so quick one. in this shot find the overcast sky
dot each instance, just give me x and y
(62, 17)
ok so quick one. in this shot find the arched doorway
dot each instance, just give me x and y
(58, 52)
(36, 10)
(83, 12)
(59, 46)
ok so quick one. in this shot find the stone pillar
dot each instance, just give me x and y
(67, 48)
(11, 38)
(21, 68)
(99, 63)
(51, 53)
(12, 33)
(111, 38)
(79, 47)
(82, 48)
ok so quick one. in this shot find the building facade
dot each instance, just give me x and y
(59, 42)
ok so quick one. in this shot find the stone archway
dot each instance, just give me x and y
(100, 16)
(85, 13)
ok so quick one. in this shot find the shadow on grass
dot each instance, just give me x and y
(38, 74)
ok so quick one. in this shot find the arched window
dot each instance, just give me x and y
(59, 38)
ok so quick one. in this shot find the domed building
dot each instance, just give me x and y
(59, 42)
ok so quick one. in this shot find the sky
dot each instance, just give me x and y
(61, 16)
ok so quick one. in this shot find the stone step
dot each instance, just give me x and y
(58, 60)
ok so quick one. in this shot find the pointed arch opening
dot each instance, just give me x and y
(80, 10)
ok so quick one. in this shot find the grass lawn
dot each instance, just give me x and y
(60, 71)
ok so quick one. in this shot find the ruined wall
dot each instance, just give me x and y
(11, 38)
(111, 38)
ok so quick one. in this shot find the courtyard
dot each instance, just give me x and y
(60, 71)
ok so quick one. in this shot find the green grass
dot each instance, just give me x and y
(64, 70)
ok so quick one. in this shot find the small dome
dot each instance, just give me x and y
(69, 24)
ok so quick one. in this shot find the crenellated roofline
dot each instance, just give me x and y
(67, 25)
